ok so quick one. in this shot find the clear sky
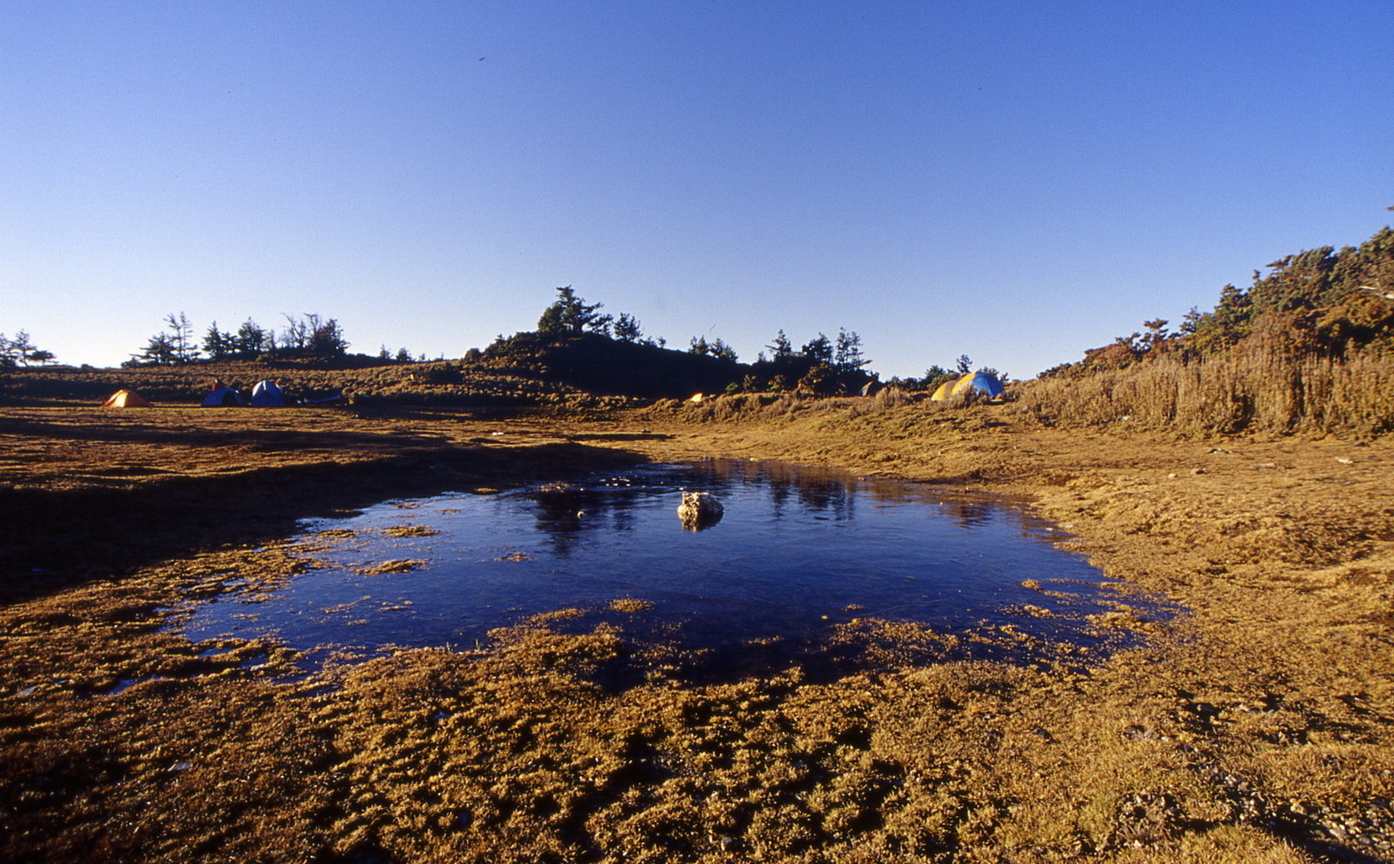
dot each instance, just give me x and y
(1017, 180)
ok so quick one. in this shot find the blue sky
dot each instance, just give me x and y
(1017, 181)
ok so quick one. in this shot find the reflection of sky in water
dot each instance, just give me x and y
(797, 551)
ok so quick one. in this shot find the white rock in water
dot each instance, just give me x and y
(699, 510)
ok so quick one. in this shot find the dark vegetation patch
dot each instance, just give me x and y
(598, 364)
(107, 525)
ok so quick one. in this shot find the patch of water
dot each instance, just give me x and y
(797, 552)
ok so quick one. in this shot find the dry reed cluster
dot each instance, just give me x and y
(1244, 392)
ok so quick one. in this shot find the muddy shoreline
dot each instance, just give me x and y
(1257, 728)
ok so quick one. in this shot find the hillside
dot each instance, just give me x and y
(1308, 347)
(598, 364)
(1318, 302)
(524, 370)
(441, 383)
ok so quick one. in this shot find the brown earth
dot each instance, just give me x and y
(1258, 727)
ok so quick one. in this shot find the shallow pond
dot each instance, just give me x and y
(797, 553)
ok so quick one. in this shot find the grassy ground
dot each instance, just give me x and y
(1256, 728)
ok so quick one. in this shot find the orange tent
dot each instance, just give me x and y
(127, 399)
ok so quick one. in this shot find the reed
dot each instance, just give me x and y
(1243, 392)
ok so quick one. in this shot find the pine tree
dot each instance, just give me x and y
(217, 344)
(570, 315)
(159, 351)
(627, 328)
(847, 356)
(20, 349)
(250, 339)
(722, 351)
(782, 347)
(819, 350)
(181, 338)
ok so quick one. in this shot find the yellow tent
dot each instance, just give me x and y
(944, 391)
(127, 399)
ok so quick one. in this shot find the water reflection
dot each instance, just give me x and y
(800, 556)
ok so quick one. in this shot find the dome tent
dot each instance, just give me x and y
(268, 394)
(126, 399)
(979, 382)
(223, 397)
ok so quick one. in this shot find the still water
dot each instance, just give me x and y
(797, 552)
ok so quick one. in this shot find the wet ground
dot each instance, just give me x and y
(1257, 727)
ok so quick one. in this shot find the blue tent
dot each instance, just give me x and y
(268, 394)
(223, 397)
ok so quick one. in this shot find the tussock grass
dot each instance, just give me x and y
(738, 407)
(1246, 392)
(1253, 391)
(884, 400)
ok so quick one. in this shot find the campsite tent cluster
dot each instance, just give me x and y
(266, 394)
(984, 384)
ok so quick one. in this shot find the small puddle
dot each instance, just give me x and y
(797, 553)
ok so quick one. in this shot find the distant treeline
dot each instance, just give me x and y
(579, 345)
(821, 366)
(21, 351)
(307, 336)
(563, 346)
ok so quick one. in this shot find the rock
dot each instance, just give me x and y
(699, 510)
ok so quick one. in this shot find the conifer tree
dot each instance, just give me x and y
(571, 315)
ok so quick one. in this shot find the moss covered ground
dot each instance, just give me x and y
(1256, 727)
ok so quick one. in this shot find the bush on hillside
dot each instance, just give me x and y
(604, 366)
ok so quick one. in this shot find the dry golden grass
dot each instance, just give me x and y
(766, 407)
(1250, 392)
(1254, 728)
